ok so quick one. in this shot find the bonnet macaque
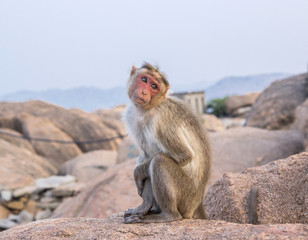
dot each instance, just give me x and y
(175, 160)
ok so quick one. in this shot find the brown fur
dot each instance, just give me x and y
(175, 161)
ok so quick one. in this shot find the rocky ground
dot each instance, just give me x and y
(113, 228)
(260, 146)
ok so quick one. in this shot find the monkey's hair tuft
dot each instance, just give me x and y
(155, 69)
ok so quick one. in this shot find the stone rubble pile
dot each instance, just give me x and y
(35, 202)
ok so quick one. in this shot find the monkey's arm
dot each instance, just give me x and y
(175, 145)
(141, 172)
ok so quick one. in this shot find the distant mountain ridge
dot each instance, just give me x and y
(92, 98)
(85, 98)
(240, 85)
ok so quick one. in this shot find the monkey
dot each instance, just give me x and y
(175, 156)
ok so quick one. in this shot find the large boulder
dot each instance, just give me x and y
(9, 122)
(92, 128)
(113, 228)
(108, 193)
(20, 167)
(112, 119)
(127, 151)
(15, 138)
(282, 196)
(275, 107)
(212, 123)
(38, 127)
(84, 128)
(86, 166)
(301, 121)
(234, 103)
(238, 148)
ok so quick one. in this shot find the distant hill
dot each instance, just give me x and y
(240, 85)
(233, 85)
(85, 98)
(91, 98)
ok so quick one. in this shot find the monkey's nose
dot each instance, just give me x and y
(144, 92)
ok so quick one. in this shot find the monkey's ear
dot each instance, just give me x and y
(166, 91)
(133, 70)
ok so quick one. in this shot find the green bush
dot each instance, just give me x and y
(217, 107)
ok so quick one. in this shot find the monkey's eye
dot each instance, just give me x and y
(144, 79)
(154, 86)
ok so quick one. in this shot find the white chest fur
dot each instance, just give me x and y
(142, 130)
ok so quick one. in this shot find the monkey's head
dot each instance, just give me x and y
(147, 86)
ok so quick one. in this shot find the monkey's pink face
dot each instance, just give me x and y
(144, 88)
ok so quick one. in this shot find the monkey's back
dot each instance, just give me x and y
(179, 124)
(175, 113)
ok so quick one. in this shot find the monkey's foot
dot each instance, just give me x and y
(133, 219)
(128, 212)
(153, 218)
(132, 213)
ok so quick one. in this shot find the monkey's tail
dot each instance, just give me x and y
(253, 205)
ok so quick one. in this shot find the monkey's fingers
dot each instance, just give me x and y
(128, 212)
(133, 219)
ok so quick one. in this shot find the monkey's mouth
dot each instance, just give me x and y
(140, 101)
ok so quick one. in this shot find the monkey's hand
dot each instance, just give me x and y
(140, 185)
(140, 175)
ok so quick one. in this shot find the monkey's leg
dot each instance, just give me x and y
(141, 173)
(140, 211)
(200, 212)
(173, 191)
(155, 209)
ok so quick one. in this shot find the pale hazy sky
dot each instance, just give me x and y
(71, 43)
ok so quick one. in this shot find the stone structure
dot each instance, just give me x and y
(195, 100)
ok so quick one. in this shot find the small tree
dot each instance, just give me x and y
(217, 107)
